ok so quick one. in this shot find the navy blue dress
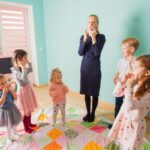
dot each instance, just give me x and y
(91, 65)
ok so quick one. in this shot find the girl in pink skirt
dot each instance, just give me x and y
(26, 97)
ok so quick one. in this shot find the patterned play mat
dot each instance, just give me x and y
(75, 135)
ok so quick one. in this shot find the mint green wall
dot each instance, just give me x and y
(39, 35)
(65, 21)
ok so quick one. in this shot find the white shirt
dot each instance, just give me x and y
(122, 66)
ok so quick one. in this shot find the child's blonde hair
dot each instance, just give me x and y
(54, 71)
(133, 42)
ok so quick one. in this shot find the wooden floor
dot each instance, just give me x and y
(104, 109)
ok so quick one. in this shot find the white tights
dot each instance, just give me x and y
(56, 108)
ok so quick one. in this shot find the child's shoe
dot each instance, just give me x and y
(1, 145)
(31, 124)
(26, 125)
(16, 136)
(8, 141)
(54, 125)
(63, 124)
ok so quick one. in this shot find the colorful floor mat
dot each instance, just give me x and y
(74, 135)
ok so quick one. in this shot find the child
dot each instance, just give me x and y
(129, 127)
(9, 113)
(26, 97)
(125, 65)
(58, 92)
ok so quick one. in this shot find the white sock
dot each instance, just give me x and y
(8, 140)
(15, 135)
(54, 124)
(8, 132)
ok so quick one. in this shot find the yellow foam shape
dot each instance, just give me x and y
(92, 146)
(71, 123)
(41, 117)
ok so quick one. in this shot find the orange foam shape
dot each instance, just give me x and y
(53, 146)
(54, 134)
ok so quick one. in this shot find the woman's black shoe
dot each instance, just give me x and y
(92, 118)
(86, 118)
(110, 126)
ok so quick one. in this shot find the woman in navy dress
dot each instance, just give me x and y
(91, 45)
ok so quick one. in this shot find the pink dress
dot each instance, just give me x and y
(26, 99)
(129, 127)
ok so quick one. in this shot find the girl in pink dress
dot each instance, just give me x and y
(57, 91)
(25, 94)
(129, 127)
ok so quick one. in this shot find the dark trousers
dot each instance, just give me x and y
(118, 104)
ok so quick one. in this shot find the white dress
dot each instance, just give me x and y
(129, 127)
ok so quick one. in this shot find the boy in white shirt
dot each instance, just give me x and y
(124, 66)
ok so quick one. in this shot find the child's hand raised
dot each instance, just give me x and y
(27, 61)
(115, 80)
(127, 76)
(131, 82)
(65, 89)
(5, 90)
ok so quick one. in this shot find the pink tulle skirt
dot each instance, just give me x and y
(26, 100)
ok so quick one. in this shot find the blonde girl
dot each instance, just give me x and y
(58, 91)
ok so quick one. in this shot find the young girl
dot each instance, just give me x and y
(129, 127)
(26, 97)
(58, 92)
(9, 113)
